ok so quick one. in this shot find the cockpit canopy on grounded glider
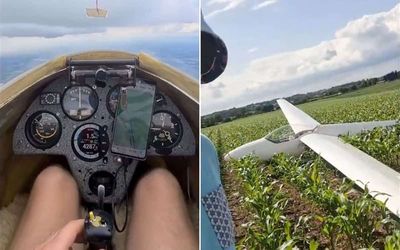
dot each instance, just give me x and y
(281, 134)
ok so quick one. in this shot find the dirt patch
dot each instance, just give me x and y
(297, 207)
(234, 194)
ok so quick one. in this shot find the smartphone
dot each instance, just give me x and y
(132, 120)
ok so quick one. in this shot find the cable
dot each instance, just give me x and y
(188, 182)
(124, 165)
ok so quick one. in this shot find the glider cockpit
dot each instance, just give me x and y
(282, 134)
(74, 114)
(78, 111)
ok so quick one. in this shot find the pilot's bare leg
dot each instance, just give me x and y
(160, 219)
(53, 202)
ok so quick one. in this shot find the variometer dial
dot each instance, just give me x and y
(80, 102)
(90, 142)
(166, 130)
(43, 130)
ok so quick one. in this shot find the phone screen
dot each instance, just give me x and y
(132, 120)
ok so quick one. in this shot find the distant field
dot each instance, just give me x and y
(302, 201)
(381, 87)
(379, 102)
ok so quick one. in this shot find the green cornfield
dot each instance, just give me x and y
(301, 201)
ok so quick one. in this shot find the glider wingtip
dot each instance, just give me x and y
(227, 157)
(281, 101)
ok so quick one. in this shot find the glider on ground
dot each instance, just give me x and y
(358, 166)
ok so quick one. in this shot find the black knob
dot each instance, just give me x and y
(101, 77)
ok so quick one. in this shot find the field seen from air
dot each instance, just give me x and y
(302, 201)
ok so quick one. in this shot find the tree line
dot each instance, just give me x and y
(271, 105)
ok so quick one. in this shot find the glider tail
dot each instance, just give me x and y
(298, 120)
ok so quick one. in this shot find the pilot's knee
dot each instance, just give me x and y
(157, 182)
(55, 176)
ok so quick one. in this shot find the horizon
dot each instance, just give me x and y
(285, 97)
(184, 60)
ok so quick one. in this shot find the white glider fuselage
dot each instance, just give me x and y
(264, 149)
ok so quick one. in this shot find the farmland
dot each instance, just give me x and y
(302, 201)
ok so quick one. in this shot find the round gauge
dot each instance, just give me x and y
(166, 130)
(80, 102)
(43, 130)
(112, 99)
(90, 142)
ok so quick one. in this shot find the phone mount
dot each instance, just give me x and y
(102, 70)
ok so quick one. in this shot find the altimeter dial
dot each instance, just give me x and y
(166, 130)
(43, 130)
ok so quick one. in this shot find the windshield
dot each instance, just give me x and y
(33, 32)
(281, 134)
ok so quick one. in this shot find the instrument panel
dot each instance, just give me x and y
(75, 119)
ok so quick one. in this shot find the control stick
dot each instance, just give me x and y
(99, 224)
(101, 191)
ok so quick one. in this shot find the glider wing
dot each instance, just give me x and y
(351, 128)
(359, 167)
(298, 120)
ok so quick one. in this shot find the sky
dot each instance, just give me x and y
(277, 48)
(53, 27)
(52, 18)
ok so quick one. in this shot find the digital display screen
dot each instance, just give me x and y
(132, 120)
(88, 141)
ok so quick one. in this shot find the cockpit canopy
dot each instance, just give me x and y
(282, 134)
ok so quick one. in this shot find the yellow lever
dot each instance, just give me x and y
(91, 216)
(96, 220)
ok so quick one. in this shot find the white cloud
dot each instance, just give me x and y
(264, 4)
(39, 16)
(217, 89)
(31, 29)
(28, 45)
(220, 6)
(223, 5)
(252, 50)
(365, 47)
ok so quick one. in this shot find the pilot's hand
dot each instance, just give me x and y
(64, 238)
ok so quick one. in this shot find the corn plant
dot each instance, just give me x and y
(348, 216)
(393, 241)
